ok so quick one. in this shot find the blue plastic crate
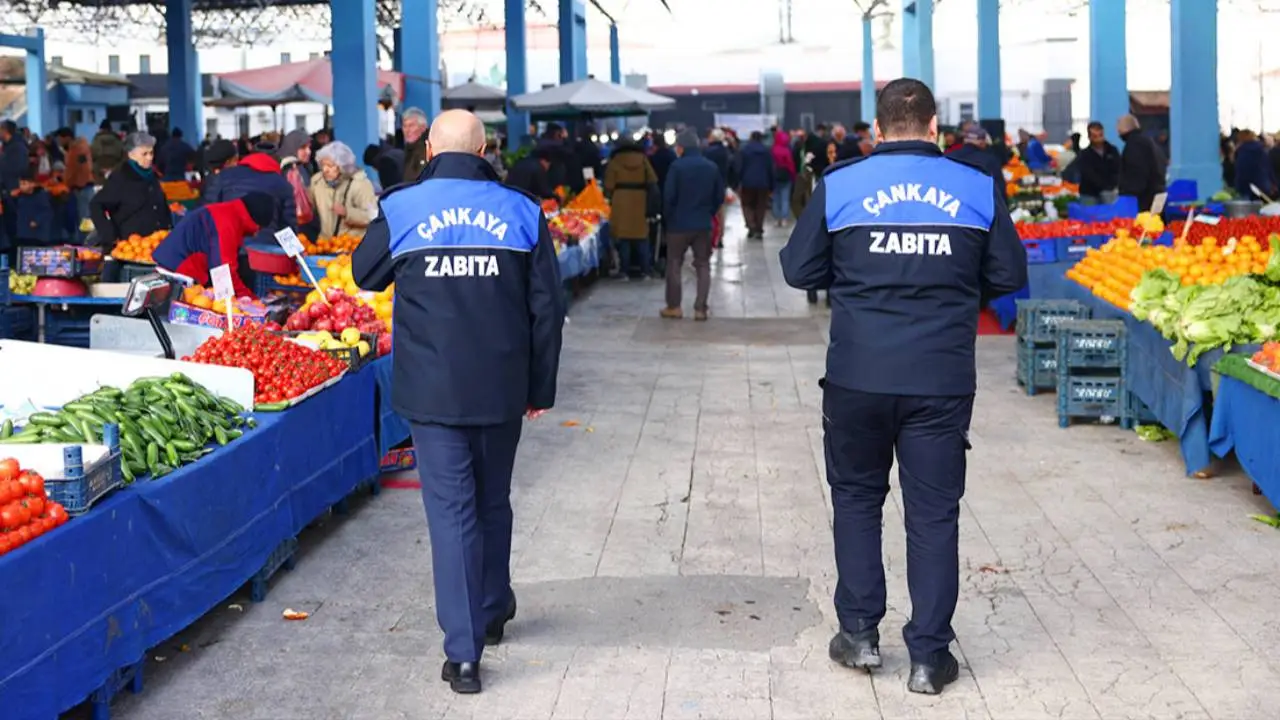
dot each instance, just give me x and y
(1040, 252)
(1037, 367)
(1137, 413)
(1090, 396)
(1095, 344)
(80, 488)
(281, 557)
(1072, 249)
(1038, 320)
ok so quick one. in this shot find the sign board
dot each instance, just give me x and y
(289, 241)
(1157, 203)
(222, 287)
(744, 125)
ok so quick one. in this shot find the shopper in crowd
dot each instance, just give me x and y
(489, 331)
(258, 172)
(691, 202)
(631, 185)
(341, 193)
(77, 172)
(15, 158)
(106, 152)
(907, 281)
(588, 152)
(718, 152)
(1253, 168)
(1099, 165)
(974, 151)
(531, 174)
(1069, 159)
(805, 184)
(34, 210)
(784, 175)
(212, 235)
(866, 142)
(756, 178)
(1034, 155)
(295, 158)
(132, 201)
(493, 147)
(1227, 154)
(217, 157)
(387, 163)
(1142, 165)
(413, 122)
(661, 157)
(816, 145)
(40, 159)
(174, 156)
(847, 146)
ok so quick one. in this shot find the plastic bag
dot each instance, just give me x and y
(300, 198)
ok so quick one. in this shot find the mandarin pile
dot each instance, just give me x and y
(138, 248)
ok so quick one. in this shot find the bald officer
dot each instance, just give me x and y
(479, 310)
(909, 243)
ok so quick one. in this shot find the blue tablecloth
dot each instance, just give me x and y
(1043, 280)
(392, 429)
(580, 259)
(1245, 420)
(92, 596)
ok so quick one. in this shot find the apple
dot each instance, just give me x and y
(334, 296)
(341, 323)
(299, 321)
(384, 344)
(318, 310)
(324, 324)
(372, 327)
(343, 310)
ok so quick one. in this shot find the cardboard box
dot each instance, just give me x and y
(399, 460)
(184, 314)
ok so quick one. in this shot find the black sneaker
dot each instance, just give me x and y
(860, 651)
(930, 678)
(494, 631)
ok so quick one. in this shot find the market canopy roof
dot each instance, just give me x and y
(308, 81)
(591, 97)
(474, 92)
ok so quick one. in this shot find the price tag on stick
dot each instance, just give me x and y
(292, 246)
(223, 290)
(1186, 227)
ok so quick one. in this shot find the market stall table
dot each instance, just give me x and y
(1245, 420)
(152, 558)
(54, 331)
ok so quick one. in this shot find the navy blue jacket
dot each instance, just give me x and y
(1254, 167)
(983, 159)
(755, 167)
(14, 160)
(257, 172)
(693, 193)
(479, 304)
(35, 216)
(909, 243)
(172, 158)
(717, 153)
(661, 160)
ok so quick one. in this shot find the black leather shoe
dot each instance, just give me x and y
(860, 650)
(930, 678)
(463, 678)
(494, 630)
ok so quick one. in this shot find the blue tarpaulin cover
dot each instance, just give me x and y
(392, 429)
(92, 596)
(1245, 420)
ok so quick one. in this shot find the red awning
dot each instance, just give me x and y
(310, 81)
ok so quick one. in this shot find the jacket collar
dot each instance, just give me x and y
(459, 166)
(907, 147)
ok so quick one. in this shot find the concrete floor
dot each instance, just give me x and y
(673, 557)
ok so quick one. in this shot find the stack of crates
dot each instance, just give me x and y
(1037, 331)
(1091, 360)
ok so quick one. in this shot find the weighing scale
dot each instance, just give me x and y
(151, 291)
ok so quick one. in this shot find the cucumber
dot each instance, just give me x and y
(179, 389)
(251, 423)
(149, 428)
(234, 435)
(77, 405)
(160, 471)
(180, 377)
(91, 416)
(184, 445)
(126, 473)
(6, 430)
(47, 418)
(221, 436)
(171, 452)
(108, 391)
(153, 456)
(186, 408)
(230, 406)
(86, 431)
(21, 439)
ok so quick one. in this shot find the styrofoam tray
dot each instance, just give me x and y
(1269, 373)
(294, 401)
(47, 459)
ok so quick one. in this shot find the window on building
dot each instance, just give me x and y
(113, 64)
(56, 60)
(211, 127)
(806, 121)
(242, 125)
(299, 122)
(285, 58)
(316, 55)
(966, 112)
(75, 117)
(326, 53)
(714, 105)
(144, 64)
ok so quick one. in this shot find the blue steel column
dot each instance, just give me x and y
(573, 41)
(1108, 64)
(355, 81)
(517, 73)
(989, 90)
(421, 55)
(910, 40)
(1193, 99)
(924, 41)
(615, 61)
(37, 85)
(186, 105)
(397, 49)
(868, 91)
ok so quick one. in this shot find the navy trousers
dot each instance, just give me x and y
(466, 489)
(930, 436)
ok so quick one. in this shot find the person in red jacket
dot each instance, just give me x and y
(212, 235)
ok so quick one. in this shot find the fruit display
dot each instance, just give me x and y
(203, 298)
(340, 313)
(165, 423)
(550, 206)
(294, 280)
(1256, 226)
(1112, 271)
(282, 369)
(569, 227)
(335, 245)
(351, 338)
(178, 190)
(56, 188)
(138, 248)
(1269, 357)
(26, 512)
(337, 276)
(20, 284)
(591, 198)
(1071, 228)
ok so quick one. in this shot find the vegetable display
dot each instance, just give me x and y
(26, 512)
(1071, 228)
(1269, 357)
(1199, 318)
(282, 369)
(165, 423)
(1257, 226)
(20, 284)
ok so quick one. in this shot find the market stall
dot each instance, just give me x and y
(1245, 415)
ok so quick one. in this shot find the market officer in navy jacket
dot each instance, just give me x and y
(909, 243)
(479, 312)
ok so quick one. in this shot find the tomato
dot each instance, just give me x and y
(36, 529)
(9, 469)
(23, 534)
(10, 518)
(58, 513)
(35, 504)
(31, 483)
(10, 491)
(47, 523)
(24, 514)
(6, 543)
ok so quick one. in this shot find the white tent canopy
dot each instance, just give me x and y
(591, 97)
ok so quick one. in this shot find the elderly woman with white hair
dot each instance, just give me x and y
(342, 195)
(131, 202)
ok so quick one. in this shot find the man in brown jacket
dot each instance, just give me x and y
(414, 124)
(629, 183)
(77, 171)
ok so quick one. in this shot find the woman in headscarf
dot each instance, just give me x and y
(784, 169)
(342, 195)
(131, 201)
(295, 164)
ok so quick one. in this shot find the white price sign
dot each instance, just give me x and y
(289, 241)
(1208, 219)
(222, 287)
(1157, 203)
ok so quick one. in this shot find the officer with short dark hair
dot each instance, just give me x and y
(479, 313)
(909, 243)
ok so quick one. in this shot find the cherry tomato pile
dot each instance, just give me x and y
(26, 512)
(1071, 228)
(281, 369)
(1227, 228)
